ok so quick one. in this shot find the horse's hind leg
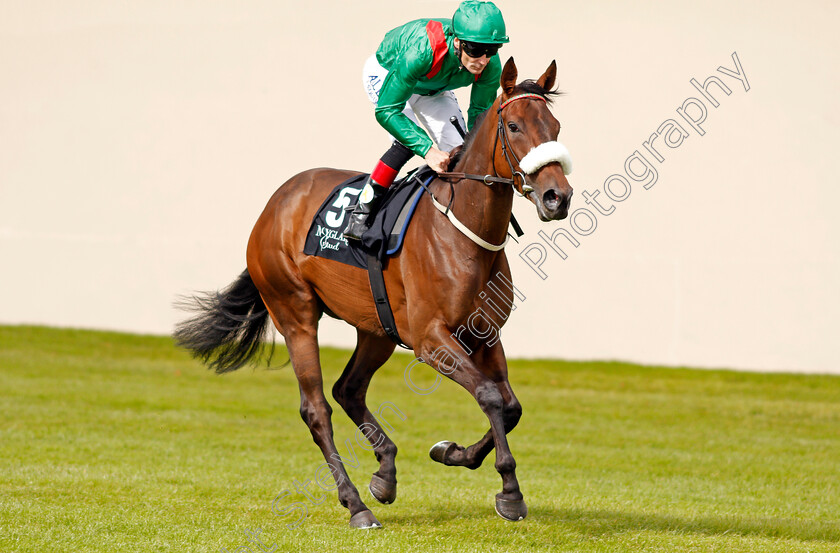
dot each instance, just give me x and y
(350, 391)
(296, 316)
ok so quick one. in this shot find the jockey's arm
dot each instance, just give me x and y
(396, 90)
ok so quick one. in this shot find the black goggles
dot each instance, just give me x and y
(479, 49)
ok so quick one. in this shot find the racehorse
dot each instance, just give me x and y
(434, 283)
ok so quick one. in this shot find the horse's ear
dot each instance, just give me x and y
(508, 80)
(548, 78)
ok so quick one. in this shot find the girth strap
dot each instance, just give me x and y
(380, 300)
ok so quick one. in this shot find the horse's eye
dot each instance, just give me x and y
(513, 127)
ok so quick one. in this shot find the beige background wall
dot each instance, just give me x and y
(140, 140)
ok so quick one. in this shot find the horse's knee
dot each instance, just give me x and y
(350, 400)
(488, 397)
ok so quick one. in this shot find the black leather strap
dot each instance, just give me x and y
(486, 179)
(516, 228)
(380, 299)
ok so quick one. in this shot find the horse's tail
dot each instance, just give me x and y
(228, 328)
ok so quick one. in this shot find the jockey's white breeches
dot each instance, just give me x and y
(432, 112)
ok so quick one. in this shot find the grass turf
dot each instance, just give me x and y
(114, 442)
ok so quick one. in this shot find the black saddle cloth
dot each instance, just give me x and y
(383, 238)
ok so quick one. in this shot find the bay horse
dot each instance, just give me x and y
(434, 283)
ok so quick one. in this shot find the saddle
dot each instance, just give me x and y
(387, 228)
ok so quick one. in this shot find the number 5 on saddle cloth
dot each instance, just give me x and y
(385, 235)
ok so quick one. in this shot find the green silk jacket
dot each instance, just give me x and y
(408, 55)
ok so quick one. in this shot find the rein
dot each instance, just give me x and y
(501, 132)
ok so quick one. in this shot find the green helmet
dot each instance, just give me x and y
(476, 21)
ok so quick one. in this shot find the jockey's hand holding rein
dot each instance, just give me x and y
(438, 160)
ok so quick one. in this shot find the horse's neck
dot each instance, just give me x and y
(483, 209)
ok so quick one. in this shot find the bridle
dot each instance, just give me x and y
(555, 154)
(507, 150)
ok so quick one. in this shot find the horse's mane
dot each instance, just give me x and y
(529, 86)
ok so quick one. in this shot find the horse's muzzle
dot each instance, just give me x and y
(554, 204)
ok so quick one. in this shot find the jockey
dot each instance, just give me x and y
(411, 78)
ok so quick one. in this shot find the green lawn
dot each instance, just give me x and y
(114, 442)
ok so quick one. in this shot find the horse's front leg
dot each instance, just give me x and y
(486, 391)
(491, 361)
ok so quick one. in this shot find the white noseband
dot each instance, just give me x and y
(545, 153)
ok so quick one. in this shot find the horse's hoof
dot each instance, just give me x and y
(511, 509)
(382, 490)
(440, 449)
(364, 520)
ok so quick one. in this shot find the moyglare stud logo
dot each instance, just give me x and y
(330, 239)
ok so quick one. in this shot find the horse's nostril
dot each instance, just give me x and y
(550, 200)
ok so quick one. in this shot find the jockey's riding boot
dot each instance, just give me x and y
(380, 179)
(366, 207)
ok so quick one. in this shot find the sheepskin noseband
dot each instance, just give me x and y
(545, 153)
